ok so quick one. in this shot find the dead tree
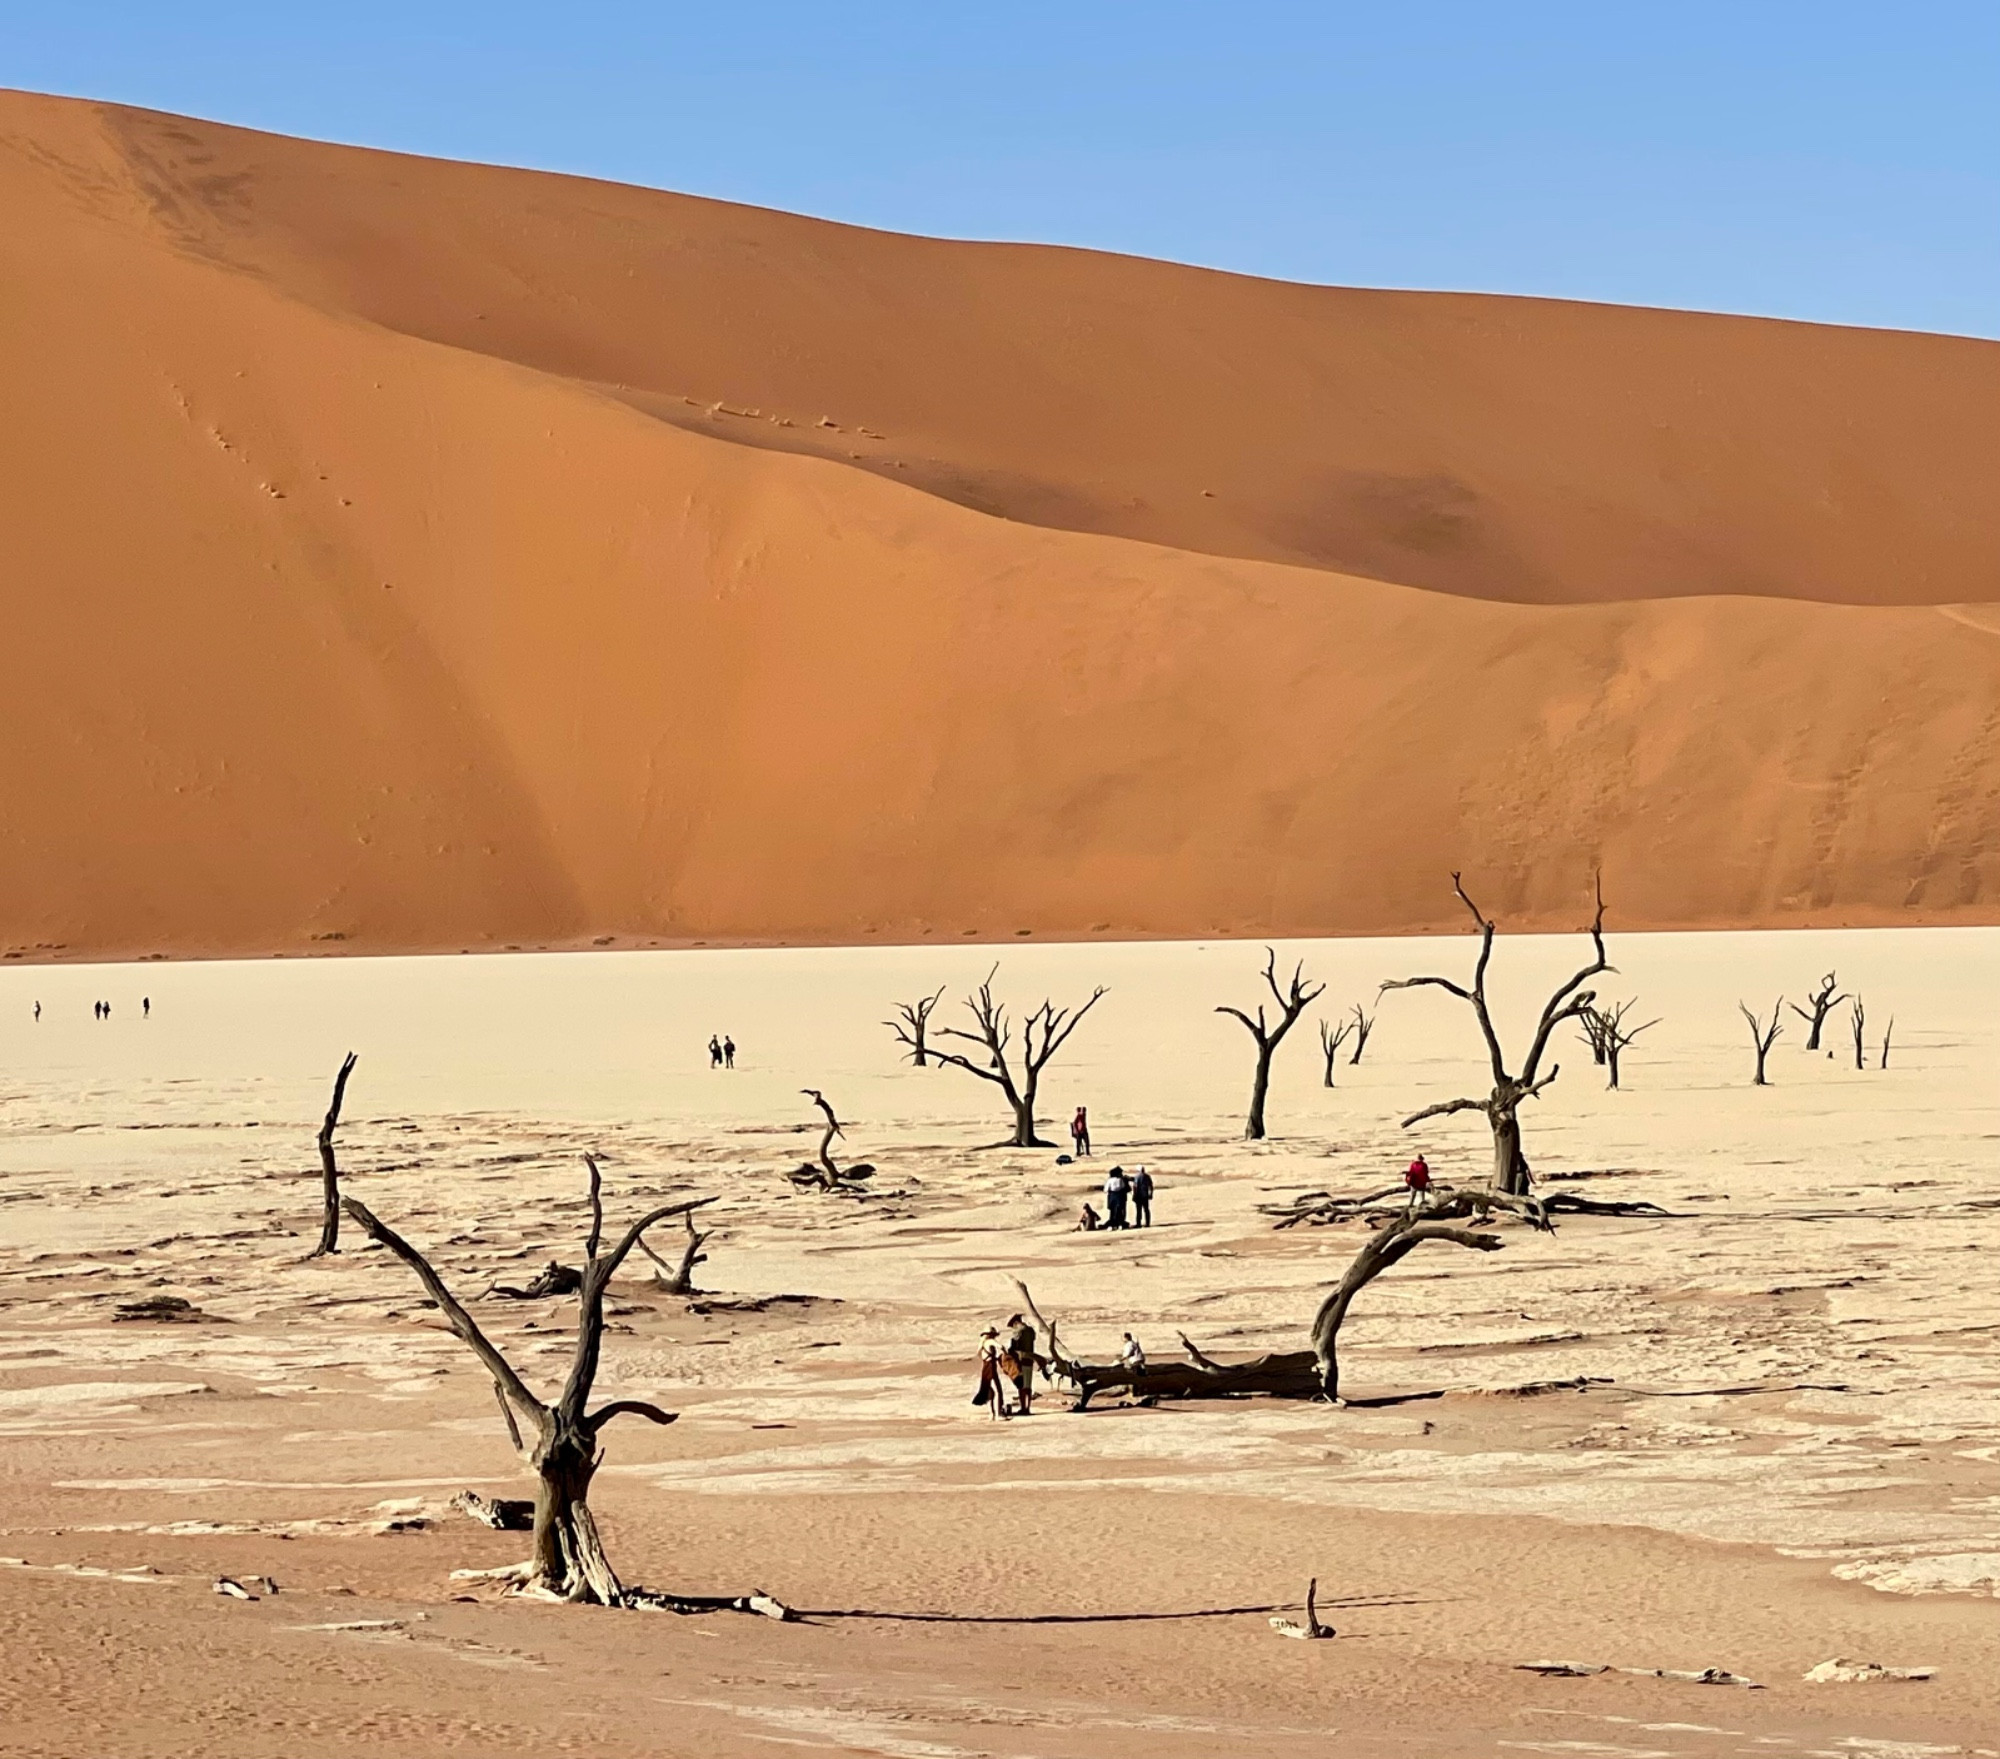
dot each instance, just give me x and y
(568, 1560)
(1764, 1034)
(1313, 1372)
(1857, 1019)
(1592, 1023)
(1363, 1025)
(1820, 1003)
(1331, 1038)
(1293, 1000)
(1043, 1033)
(1606, 1027)
(678, 1279)
(825, 1174)
(910, 1028)
(329, 1168)
(1501, 1108)
(1888, 1032)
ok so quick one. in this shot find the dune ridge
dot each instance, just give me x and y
(410, 555)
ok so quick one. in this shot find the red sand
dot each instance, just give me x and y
(416, 555)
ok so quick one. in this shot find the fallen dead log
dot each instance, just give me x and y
(1394, 1233)
(556, 1279)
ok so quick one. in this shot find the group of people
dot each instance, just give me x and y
(102, 1010)
(1007, 1363)
(1128, 1202)
(721, 1052)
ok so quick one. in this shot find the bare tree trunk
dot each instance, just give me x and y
(1292, 1002)
(1025, 1135)
(567, 1548)
(1510, 1166)
(1331, 1038)
(1260, 1088)
(1819, 1003)
(1363, 1025)
(915, 1021)
(678, 1279)
(568, 1558)
(1858, 1019)
(1501, 1108)
(1613, 1050)
(1888, 1032)
(1764, 1034)
(1043, 1033)
(329, 1169)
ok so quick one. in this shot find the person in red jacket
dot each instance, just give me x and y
(1418, 1178)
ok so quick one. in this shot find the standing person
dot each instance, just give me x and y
(1079, 1131)
(728, 1051)
(1418, 1178)
(714, 1051)
(146, 1007)
(989, 1393)
(1021, 1352)
(1142, 1198)
(1133, 1357)
(38, 1012)
(1116, 1189)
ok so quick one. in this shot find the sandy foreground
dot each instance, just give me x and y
(1755, 1436)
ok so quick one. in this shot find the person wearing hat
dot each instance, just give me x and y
(989, 1392)
(1019, 1362)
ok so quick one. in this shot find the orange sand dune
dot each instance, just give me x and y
(409, 554)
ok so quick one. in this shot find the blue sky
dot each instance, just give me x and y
(1832, 161)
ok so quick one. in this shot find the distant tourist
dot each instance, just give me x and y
(146, 1007)
(1088, 1222)
(714, 1051)
(1418, 1178)
(1079, 1131)
(1142, 1198)
(1116, 1190)
(38, 1010)
(1133, 1357)
(728, 1052)
(1019, 1363)
(988, 1392)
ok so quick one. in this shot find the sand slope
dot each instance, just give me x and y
(382, 572)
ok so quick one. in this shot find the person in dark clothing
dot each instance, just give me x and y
(1019, 1361)
(728, 1053)
(714, 1051)
(146, 1007)
(1142, 1198)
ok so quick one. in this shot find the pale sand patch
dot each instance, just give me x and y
(1788, 1391)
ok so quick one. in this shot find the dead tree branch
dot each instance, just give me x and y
(1364, 1024)
(1313, 1372)
(1292, 1001)
(912, 1023)
(329, 1168)
(678, 1279)
(826, 1174)
(1511, 1173)
(1331, 1038)
(1609, 1035)
(1043, 1033)
(568, 1560)
(1764, 1034)
(1858, 1021)
(1819, 1003)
